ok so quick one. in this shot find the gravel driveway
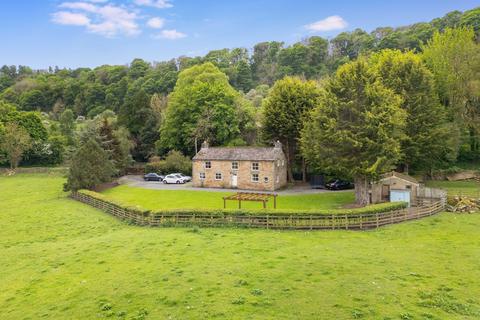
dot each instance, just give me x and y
(137, 181)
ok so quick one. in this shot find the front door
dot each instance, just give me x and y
(234, 180)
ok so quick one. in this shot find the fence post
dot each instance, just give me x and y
(311, 222)
(346, 222)
(268, 223)
(376, 216)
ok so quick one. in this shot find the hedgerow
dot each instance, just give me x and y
(371, 209)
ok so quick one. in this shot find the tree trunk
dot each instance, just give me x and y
(406, 167)
(362, 196)
(304, 170)
(289, 161)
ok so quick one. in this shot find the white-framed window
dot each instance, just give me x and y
(278, 163)
(283, 163)
(265, 179)
(202, 175)
(255, 166)
(218, 176)
(254, 177)
(234, 165)
(208, 164)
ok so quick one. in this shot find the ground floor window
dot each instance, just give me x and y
(265, 179)
(202, 175)
(254, 177)
(218, 176)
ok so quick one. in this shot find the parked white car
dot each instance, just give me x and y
(173, 178)
(186, 178)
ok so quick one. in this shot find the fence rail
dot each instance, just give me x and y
(297, 222)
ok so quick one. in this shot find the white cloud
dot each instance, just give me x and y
(156, 23)
(160, 4)
(69, 18)
(327, 24)
(80, 6)
(107, 20)
(170, 34)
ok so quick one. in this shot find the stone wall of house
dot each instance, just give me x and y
(268, 172)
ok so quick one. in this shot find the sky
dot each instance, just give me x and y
(89, 33)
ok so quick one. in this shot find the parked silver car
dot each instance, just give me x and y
(185, 177)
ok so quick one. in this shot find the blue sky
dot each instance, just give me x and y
(76, 33)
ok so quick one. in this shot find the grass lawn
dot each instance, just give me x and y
(61, 259)
(173, 199)
(466, 186)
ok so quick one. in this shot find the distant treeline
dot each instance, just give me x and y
(89, 92)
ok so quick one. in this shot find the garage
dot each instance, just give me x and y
(400, 195)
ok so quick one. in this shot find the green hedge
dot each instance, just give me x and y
(374, 208)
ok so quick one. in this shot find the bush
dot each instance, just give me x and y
(175, 161)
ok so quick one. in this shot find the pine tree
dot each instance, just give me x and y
(355, 129)
(90, 167)
(424, 144)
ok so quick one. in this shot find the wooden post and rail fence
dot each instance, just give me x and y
(362, 221)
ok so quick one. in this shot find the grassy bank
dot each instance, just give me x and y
(64, 260)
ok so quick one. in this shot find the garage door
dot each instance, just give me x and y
(400, 195)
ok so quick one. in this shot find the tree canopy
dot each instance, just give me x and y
(202, 106)
(355, 129)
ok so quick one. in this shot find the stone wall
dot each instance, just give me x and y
(272, 175)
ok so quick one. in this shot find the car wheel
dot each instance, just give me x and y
(165, 182)
(178, 182)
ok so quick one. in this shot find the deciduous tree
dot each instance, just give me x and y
(284, 113)
(425, 143)
(15, 141)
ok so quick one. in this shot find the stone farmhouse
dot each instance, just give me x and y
(251, 168)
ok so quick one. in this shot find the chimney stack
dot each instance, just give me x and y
(205, 145)
(278, 145)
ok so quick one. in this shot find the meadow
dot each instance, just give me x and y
(64, 260)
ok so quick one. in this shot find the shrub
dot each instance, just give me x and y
(175, 161)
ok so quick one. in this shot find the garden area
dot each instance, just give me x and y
(62, 257)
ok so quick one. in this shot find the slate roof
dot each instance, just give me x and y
(239, 153)
(400, 176)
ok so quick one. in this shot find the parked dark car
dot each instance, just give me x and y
(153, 177)
(338, 184)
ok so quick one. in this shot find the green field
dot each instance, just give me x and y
(455, 186)
(173, 199)
(64, 260)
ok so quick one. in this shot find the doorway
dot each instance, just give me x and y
(234, 180)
